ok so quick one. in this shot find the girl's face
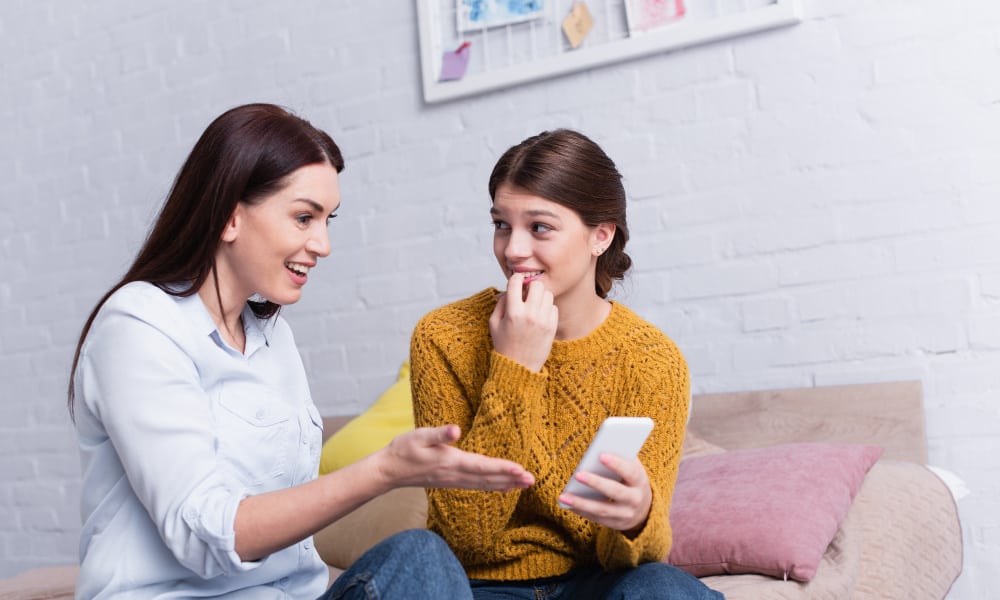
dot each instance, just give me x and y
(270, 246)
(546, 241)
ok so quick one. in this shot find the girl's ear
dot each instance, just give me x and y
(232, 229)
(603, 234)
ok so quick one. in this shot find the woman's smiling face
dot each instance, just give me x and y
(272, 244)
(545, 241)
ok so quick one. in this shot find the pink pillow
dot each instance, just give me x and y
(771, 510)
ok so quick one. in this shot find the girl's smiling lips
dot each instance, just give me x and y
(528, 274)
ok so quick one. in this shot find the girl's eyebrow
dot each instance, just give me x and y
(531, 213)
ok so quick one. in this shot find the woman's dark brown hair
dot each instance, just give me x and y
(568, 168)
(244, 155)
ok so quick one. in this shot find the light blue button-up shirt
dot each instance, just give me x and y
(175, 428)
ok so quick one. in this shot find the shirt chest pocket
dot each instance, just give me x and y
(257, 435)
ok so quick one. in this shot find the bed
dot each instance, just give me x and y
(899, 537)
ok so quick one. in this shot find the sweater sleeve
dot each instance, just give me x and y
(496, 417)
(662, 393)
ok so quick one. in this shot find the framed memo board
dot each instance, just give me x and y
(509, 42)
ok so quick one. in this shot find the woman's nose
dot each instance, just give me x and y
(319, 243)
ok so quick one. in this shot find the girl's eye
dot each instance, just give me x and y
(540, 228)
(500, 225)
(303, 219)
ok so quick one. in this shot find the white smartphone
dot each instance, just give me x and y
(621, 436)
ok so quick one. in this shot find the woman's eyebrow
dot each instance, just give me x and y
(316, 206)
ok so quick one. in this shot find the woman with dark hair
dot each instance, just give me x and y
(530, 373)
(199, 439)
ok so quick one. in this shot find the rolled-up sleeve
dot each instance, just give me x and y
(207, 517)
(143, 385)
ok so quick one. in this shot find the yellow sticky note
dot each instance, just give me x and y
(577, 24)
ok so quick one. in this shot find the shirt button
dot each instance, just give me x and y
(260, 414)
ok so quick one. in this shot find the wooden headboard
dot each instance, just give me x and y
(890, 415)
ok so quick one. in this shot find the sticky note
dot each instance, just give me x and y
(577, 24)
(453, 64)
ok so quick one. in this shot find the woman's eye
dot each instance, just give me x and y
(500, 225)
(303, 219)
(330, 218)
(540, 228)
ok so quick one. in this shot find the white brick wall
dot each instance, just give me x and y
(815, 205)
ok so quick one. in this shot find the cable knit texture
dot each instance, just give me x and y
(544, 421)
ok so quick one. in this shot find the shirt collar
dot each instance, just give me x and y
(258, 331)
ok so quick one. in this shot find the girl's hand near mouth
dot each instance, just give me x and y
(523, 324)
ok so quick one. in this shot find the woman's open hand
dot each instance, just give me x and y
(425, 457)
(627, 503)
(524, 325)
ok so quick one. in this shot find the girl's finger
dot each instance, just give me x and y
(501, 308)
(515, 287)
(631, 472)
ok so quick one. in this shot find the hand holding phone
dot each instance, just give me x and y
(620, 436)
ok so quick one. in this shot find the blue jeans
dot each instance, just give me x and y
(649, 581)
(411, 565)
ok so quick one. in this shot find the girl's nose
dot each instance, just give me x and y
(518, 245)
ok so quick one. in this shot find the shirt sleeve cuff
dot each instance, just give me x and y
(209, 515)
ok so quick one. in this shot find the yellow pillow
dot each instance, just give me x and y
(391, 415)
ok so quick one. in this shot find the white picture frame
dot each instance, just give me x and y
(490, 69)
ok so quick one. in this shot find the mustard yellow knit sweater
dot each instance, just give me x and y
(545, 421)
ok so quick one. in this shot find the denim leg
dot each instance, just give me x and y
(660, 581)
(514, 590)
(412, 565)
(499, 590)
(650, 581)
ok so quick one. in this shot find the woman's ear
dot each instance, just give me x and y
(232, 229)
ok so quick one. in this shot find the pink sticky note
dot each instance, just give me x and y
(453, 64)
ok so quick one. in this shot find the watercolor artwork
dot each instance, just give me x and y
(646, 15)
(479, 14)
